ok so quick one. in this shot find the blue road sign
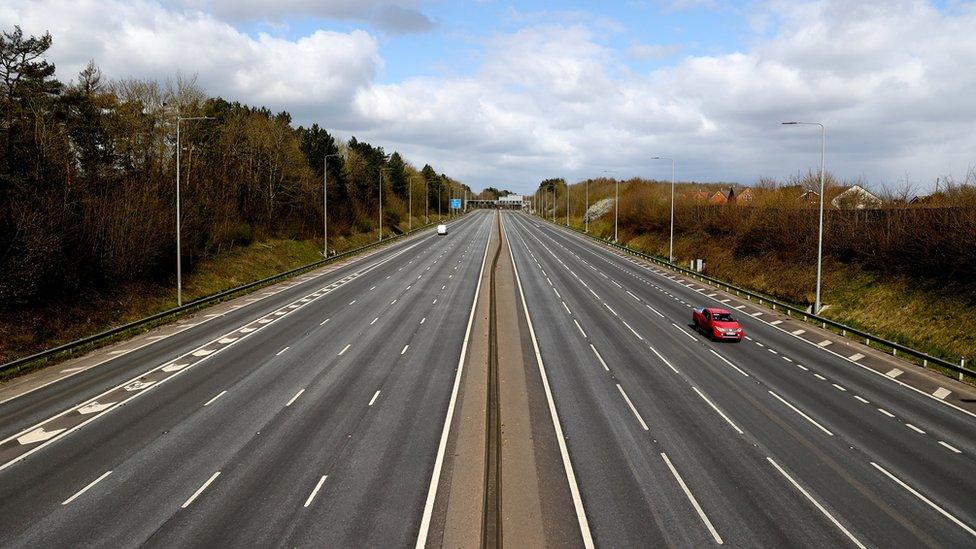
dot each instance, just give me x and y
(456, 203)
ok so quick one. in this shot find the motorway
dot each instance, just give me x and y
(318, 426)
(679, 441)
(319, 416)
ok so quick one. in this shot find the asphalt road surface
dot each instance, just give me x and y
(319, 427)
(313, 417)
(676, 440)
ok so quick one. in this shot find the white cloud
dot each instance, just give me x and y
(892, 80)
(318, 73)
(398, 16)
(652, 51)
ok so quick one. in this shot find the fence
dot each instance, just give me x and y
(149, 321)
(894, 348)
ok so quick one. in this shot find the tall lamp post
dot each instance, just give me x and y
(671, 238)
(179, 260)
(325, 205)
(381, 202)
(616, 206)
(567, 204)
(823, 159)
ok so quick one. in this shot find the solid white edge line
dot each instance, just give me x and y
(563, 450)
(315, 490)
(716, 408)
(694, 502)
(816, 503)
(632, 409)
(294, 398)
(85, 489)
(797, 410)
(200, 490)
(442, 446)
(915, 493)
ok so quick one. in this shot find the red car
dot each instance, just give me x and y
(716, 323)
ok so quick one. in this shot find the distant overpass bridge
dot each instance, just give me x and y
(510, 202)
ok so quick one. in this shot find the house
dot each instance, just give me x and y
(855, 197)
(745, 196)
(718, 198)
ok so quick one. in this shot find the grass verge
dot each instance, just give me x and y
(31, 329)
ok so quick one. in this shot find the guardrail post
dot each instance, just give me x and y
(894, 352)
(962, 363)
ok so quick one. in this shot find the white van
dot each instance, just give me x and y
(442, 229)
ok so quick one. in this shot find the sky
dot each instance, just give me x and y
(506, 94)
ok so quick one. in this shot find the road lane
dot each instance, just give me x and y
(628, 308)
(163, 446)
(25, 410)
(884, 423)
(625, 482)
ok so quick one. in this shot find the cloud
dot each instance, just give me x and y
(397, 17)
(645, 52)
(891, 79)
(319, 73)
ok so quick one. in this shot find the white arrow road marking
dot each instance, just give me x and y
(138, 385)
(38, 435)
(226, 340)
(174, 367)
(93, 407)
(247, 330)
(203, 352)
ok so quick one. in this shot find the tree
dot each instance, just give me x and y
(26, 86)
(397, 174)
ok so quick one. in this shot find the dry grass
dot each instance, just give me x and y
(935, 319)
(36, 327)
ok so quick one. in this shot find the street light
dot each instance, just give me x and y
(179, 263)
(586, 216)
(325, 205)
(567, 204)
(823, 155)
(671, 239)
(381, 201)
(616, 206)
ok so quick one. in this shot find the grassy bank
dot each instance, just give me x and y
(28, 330)
(936, 319)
